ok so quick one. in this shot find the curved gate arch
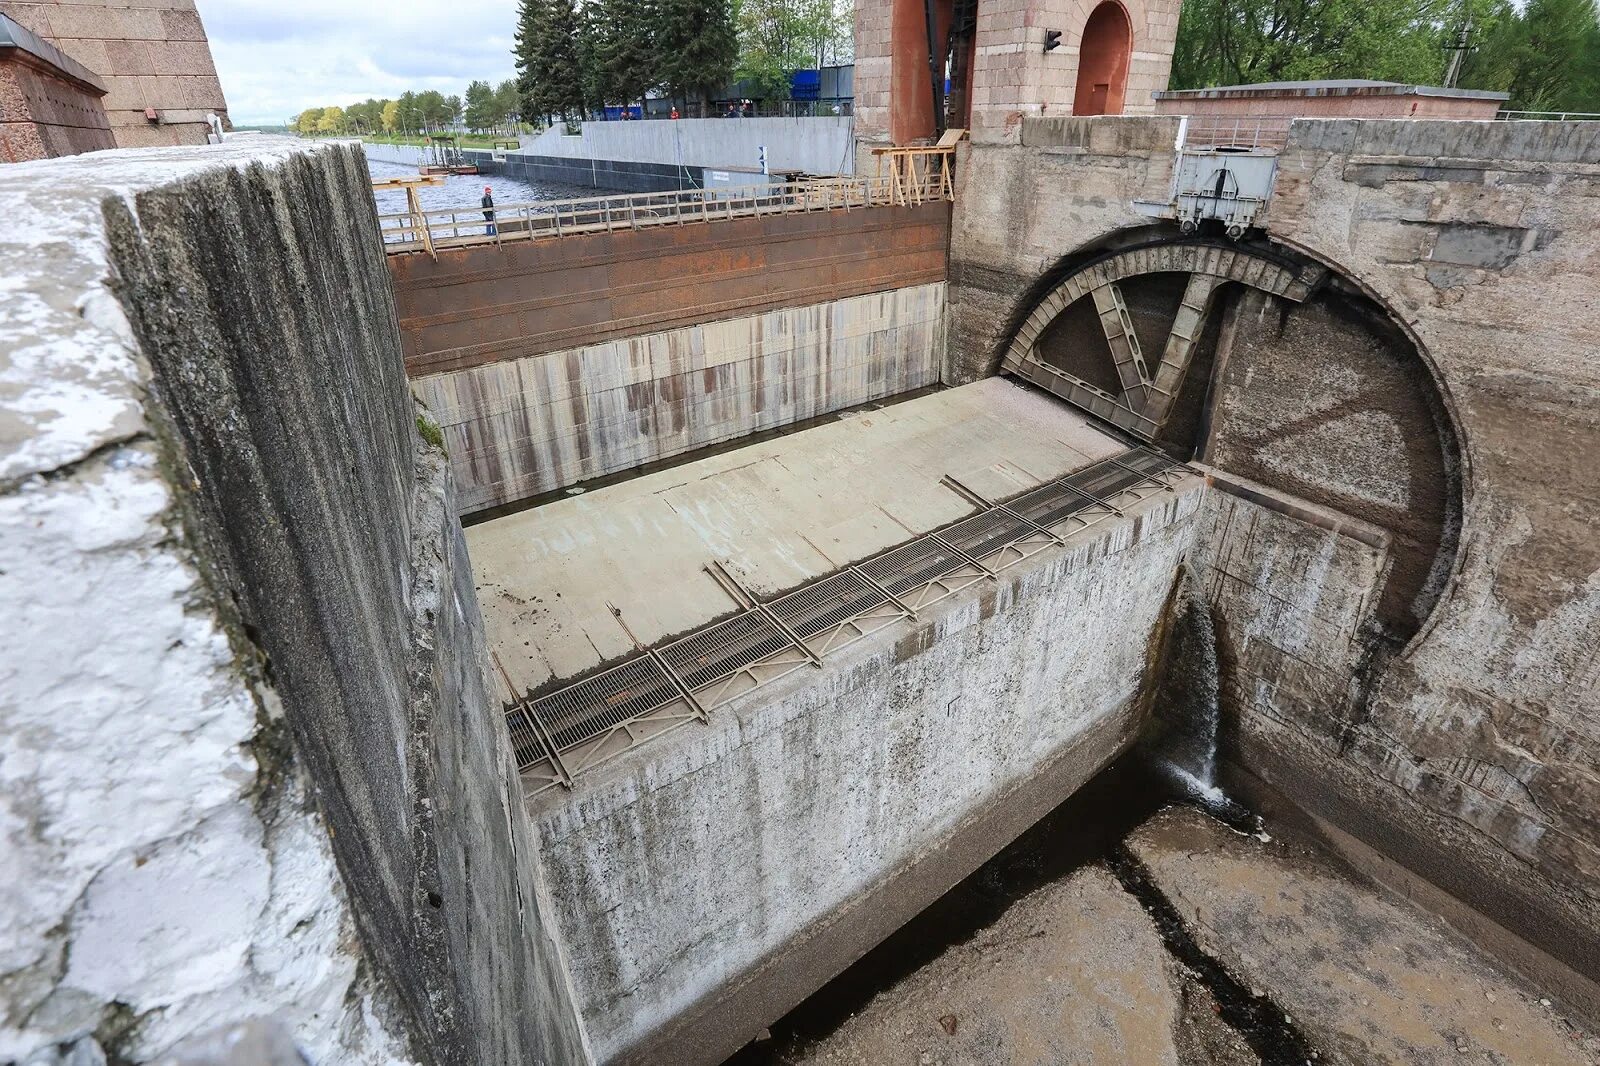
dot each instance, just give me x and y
(1145, 393)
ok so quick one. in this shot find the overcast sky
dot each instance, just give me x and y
(278, 57)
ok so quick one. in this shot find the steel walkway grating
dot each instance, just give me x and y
(1104, 480)
(525, 740)
(589, 721)
(583, 711)
(984, 534)
(1145, 461)
(709, 655)
(1050, 505)
(827, 604)
(912, 565)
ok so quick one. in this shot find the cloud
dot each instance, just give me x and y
(278, 58)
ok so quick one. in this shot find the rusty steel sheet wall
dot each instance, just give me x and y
(474, 306)
(520, 428)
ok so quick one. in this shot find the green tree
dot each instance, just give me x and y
(507, 103)
(305, 123)
(551, 79)
(480, 109)
(410, 112)
(332, 120)
(432, 110)
(778, 37)
(1237, 42)
(698, 47)
(391, 115)
(626, 53)
(1547, 58)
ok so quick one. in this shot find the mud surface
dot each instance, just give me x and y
(1119, 931)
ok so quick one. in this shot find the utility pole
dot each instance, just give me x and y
(1459, 50)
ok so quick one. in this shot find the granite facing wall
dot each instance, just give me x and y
(254, 766)
(46, 111)
(1469, 753)
(708, 882)
(1014, 79)
(1023, 209)
(520, 428)
(153, 53)
(1485, 732)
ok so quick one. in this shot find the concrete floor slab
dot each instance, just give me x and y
(777, 514)
(1365, 977)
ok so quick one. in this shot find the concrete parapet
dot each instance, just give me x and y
(707, 882)
(251, 754)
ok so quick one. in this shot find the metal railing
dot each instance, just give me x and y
(1549, 116)
(1239, 134)
(562, 732)
(454, 227)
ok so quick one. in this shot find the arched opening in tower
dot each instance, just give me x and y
(1103, 59)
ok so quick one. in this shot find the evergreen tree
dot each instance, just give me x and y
(550, 78)
(625, 51)
(697, 46)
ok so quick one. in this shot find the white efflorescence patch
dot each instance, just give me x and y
(143, 866)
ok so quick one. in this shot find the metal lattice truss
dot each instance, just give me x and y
(564, 732)
(1145, 396)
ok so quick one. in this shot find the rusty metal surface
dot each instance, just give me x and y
(476, 306)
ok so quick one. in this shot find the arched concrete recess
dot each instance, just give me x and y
(1103, 58)
(1263, 363)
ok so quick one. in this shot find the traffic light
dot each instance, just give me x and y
(1052, 39)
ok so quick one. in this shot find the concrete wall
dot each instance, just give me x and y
(603, 175)
(815, 145)
(519, 428)
(475, 306)
(152, 54)
(1469, 752)
(253, 769)
(708, 881)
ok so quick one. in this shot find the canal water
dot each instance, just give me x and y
(466, 190)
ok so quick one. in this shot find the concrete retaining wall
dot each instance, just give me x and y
(708, 881)
(519, 428)
(253, 769)
(602, 175)
(815, 145)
